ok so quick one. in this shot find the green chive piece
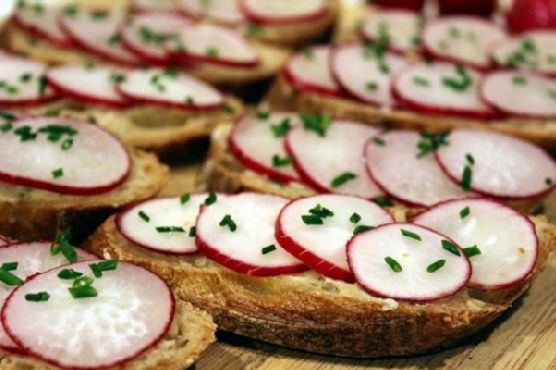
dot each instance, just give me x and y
(59, 172)
(185, 198)
(71, 10)
(467, 178)
(267, 250)
(379, 141)
(253, 30)
(262, 116)
(228, 108)
(362, 228)
(312, 220)
(69, 274)
(37, 297)
(26, 77)
(450, 247)
(308, 53)
(170, 229)
(211, 199)
(464, 213)
(461, 82)
(192, 232)
(384, 68)
(66, 144)
(99, 14)
(394, 265)
(548, 181)
(371, 86)
(83, 292)
(229, 222)
(189, 100)
(355, 218)
(471, 251)
(281, 162)
(281, 129)
(430, 142)
(455, 32)
(9, 279)
(519, 80)
(383, 202)
(43, 84)
(103, 266)
(342, 179)
(321, 211)
(421, 81)
(62, 245)
(317, 123)
(470, 159)
(411, 235)
(9, 266)
(528, 45)
(435, 266)
(144, 216)
(213, 52)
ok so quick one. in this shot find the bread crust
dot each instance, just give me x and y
(191, 332)
(32, 214)
(309, 312)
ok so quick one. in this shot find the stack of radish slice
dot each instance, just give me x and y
(41, 21)
(67, 318)
(285, 12)
(227, 12)
(23, 83)
(398, 29)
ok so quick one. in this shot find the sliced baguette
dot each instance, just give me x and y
(191, 332)
(32, 214)
(309, 312)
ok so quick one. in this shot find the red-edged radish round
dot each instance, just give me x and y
(408, 262)
(170, 89)
(40, 20)
(528, 15)
(226, 12)
(238, 233)
(153, 5)
(441, 89)
(310, 70)
(258, 143)
(271, 12)
(163, 225)
(400, 30)
(500, 242)
(63, 156)
(98, 31)
(461, 39)
(204, 43)
(320, 242)
(91, 84)
(131, 312)
(408, 173)
(521, 94)
(365, 71)
(497, 165)
(333, 161)
(535, 51)
(23, 83)
(27, 259)
(146, 34)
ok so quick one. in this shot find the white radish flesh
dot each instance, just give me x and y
(394, 163)
(401, 29)
(40, 20)
(250, 247)
(285, 11)
(407, 262)
(334, 162)
(500, 165)
(323, 246)
(63, 156)
(132, 312)
(221, 11)
(163, 225)
(505, 239)
(23, 82)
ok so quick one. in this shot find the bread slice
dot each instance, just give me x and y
(191, 332)
(33, 214)
(309, 312)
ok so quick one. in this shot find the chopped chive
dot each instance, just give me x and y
(281, 162)
(435, 266)
(262, 116)
(253, 30)
(189, 100)
(383, 202)
(7, 116)
(228, 108)
(384, 68)
(379, 141)
(43, 84)
(312, 220)
(26, 77)
(342, 179)
(459, 83)
(362, 228)
(355, 218)
(59, 172)
(455, 32)
(213, 52)
(467, 178)
(185, 198)
(115, 39)
(69, 274)
(552, 93)
(471, 251)
(170, 229)
(9, 279)
(229, 222)
(308, 53)
(83, 292)
(321, 211)
(211, 199)
(103, 266)
(37, 297)
(192, 232)
(371, 86)
(519, 80)
(66, 144)
(450, 247)
(282, 128)
(421, 81)
(144, 216)
(317, 123)
(62, 245)
(267, 250)
(394, 265)
(464, 213)
(71, 10)
(6, 127)
(411, 234)
(470, 159)
(99, 14)
(528, 45)
(548, 181)
(9, 266)
(430, 142)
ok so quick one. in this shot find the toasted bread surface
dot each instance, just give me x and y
(191, 332)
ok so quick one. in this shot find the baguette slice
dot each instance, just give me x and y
(309, 312)
(191, 332)
(32, 214)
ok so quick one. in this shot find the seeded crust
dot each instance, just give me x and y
(191, 332)
(32, 214)
(309, 312)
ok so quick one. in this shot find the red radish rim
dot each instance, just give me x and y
(185, 12)
(513, 114)
(502, 205)
(126, 210)
(375, 293)
(141, 54)
(71, 190)
(282, 21)
(38, 33)
(146, 348)
(25, 103)
(251, 163)
(75, 95)
(305, 178)
(240, 266)
(435, 110)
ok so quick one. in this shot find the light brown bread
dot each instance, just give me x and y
(191, 332)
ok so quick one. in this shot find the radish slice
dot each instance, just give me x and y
(95, 84)
(63, 156)
(23, 83)
(310, 70)
(283, 12)
(323, 246)
(461, 39)
(506, 240)
(153, 5)
(31, 259)
(41, 21)
(210, 44)
(250, 246)
(407, 262)
(441, 88)
(365, 73)
(534, 51)
(498, 165)
(162, 225)
(396, 166)
(522, 94)
(146, 34)
(334, 163)
(258, 143)
(399, 29)
(174, 90)
(98, 31)
(3, 241)
(227, 12)
(132, 312)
